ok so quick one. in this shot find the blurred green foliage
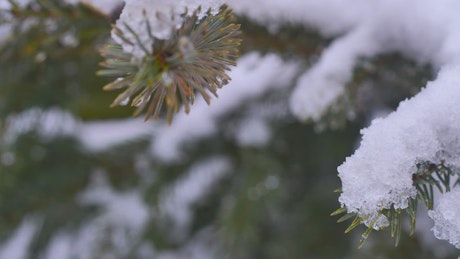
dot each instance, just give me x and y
(274, 203)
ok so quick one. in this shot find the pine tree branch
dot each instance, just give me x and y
(428, 176)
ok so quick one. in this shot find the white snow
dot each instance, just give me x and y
(120, 224)
(446, 217)
(125, 209)
(100, 135)
(253, 132)
(201, 246)
(176, 203)
(124, 217)
(48, 123)
(94, 135)
(104, 6)
(330, 17)
(60, 247)
(324, 83)
(16, 247)
(425, 128)
(426, 31)
(5, 32)
(162, 16)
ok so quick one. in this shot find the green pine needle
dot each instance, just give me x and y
(357, 221)
(339, 211)
(194, 60)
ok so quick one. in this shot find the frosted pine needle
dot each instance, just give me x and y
(195, 58)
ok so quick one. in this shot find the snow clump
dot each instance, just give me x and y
(425, 128)
(446, 218)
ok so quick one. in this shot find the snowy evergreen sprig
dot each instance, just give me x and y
(195, 58)
(427, 177)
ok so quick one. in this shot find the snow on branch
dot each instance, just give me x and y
(426, 31)
(318, 88)
(383, 176)
(379, 175)
(446, 217)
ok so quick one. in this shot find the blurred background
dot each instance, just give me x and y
(241, 178)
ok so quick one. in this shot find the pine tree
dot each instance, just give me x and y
(247, 111)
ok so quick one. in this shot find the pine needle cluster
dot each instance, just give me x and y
(195, 58)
